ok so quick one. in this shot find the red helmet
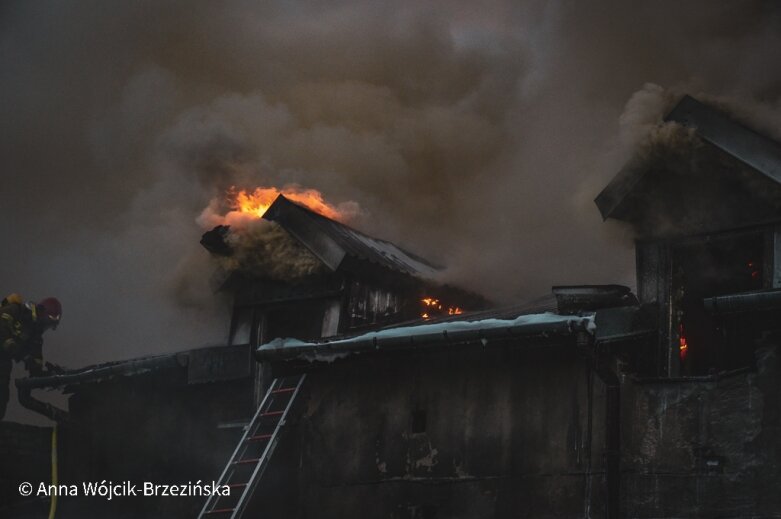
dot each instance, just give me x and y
(51, 309)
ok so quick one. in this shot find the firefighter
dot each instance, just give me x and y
(21, 338)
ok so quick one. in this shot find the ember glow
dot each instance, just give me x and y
(431, 302)
(753, 269)
(433, 307)
(683, 345)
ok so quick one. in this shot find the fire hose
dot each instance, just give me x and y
(55, 479)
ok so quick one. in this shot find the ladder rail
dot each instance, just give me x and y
(210, 506)
(239, 446)
(252, 483)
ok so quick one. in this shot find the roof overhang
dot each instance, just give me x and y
(332, 242)
(738, 183)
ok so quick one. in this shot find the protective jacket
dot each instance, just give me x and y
(21, 336)
(20, 340)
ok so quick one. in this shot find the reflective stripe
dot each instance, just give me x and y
(32, 308)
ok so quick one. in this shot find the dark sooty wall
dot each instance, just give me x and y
(478, 433)
(704, 449)
(156, 428)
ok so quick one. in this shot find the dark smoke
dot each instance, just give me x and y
(474, 133)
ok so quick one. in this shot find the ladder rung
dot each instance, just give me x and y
(259, 437)
(254, 466)
(244, 462)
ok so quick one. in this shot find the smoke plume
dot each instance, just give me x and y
(474, 134)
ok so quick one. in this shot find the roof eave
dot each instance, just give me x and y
(483, 336)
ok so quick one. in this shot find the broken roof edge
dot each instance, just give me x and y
(335, 240)
(423, 335)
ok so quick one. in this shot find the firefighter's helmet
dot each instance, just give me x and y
(50, 309)
(12, 299)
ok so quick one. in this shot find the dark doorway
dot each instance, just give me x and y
(712, 267)
(302, 320)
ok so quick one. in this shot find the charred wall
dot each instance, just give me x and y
(504, 433)
(704, 448)
(25, 455)
(475, 433)
(153, 427)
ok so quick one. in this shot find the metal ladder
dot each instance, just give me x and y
(252, 454)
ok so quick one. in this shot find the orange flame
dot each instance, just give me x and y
(257, 202)
(683, 344)
(434, 306)
(246, 205)
(430, 301)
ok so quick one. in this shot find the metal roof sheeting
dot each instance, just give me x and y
(751, 148)
(331, 241)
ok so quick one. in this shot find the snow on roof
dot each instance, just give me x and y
(483, 330)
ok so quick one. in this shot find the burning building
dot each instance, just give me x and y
(398, 397)
(708, 228)
(354, 282)
(321, 279)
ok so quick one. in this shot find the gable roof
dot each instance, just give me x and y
(715, 127)
(759, 153)
(332, 241)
